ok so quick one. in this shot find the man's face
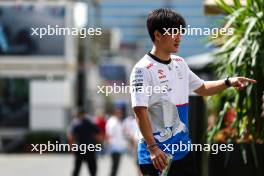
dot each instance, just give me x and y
(169, 43)
(119, 113)
(82, 115)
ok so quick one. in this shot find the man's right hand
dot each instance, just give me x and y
(159, 158)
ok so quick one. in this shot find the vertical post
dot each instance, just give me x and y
(262, 107)
(81, 77)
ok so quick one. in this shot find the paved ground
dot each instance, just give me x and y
(57, 165)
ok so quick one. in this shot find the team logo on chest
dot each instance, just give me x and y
(149, 65)
(161, 74)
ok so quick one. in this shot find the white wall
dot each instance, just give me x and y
(49, 102)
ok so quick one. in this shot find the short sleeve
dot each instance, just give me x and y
(110, 127)
(139, 82)
(92, 126)
(194, 81)
(95, 129)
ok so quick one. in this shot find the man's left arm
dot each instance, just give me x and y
(95, 131)
(213, 87)
(70, 136)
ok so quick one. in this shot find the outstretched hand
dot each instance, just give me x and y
(241, 82)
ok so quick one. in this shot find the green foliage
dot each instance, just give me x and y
(242, 54)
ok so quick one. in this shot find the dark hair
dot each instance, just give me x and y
(81, 110)
(163, 18)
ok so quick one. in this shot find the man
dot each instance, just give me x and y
(162, 117)
(83, 131)
(130, 131)
(116, 139)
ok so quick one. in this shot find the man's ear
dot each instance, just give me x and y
(157, 35)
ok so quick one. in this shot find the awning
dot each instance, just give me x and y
(211, 7)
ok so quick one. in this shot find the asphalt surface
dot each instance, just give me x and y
(58, 165)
